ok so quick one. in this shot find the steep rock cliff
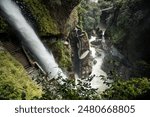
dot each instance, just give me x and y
(80, 52)
(129, 32)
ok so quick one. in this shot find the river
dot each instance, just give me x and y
(98, 55)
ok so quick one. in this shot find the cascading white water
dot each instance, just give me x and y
(97, 82)
(29, 38)
(94, 1)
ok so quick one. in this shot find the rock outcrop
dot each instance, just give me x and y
(80, 52)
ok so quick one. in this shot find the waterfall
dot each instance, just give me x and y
(30, 40)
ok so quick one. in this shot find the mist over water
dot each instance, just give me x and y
(29, 38)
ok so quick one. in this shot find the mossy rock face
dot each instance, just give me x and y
(47, 25)
(14, 81)
(62, 54)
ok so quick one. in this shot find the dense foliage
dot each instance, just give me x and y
(15, 84)
(89, 14)
(14, 81)
(68, 89)
(119, 89)
(127, 89)
(62, 54)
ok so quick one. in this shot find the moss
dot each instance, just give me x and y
(14, 81)
(46, 23)
(62, 54)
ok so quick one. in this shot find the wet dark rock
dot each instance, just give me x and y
(94, 62)
(96, 42)
(80, 44)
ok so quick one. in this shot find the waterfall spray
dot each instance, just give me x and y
(30, 40)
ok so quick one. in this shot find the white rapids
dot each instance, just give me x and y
(97, 82)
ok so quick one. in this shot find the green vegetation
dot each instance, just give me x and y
(15, 84)
(68, 90)
(87, 19)
(127, 17)
(120, 89)
(127, 89)
(63, 14)
(46, 23)
(14, 81)
(89, 14)
(62, 54)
